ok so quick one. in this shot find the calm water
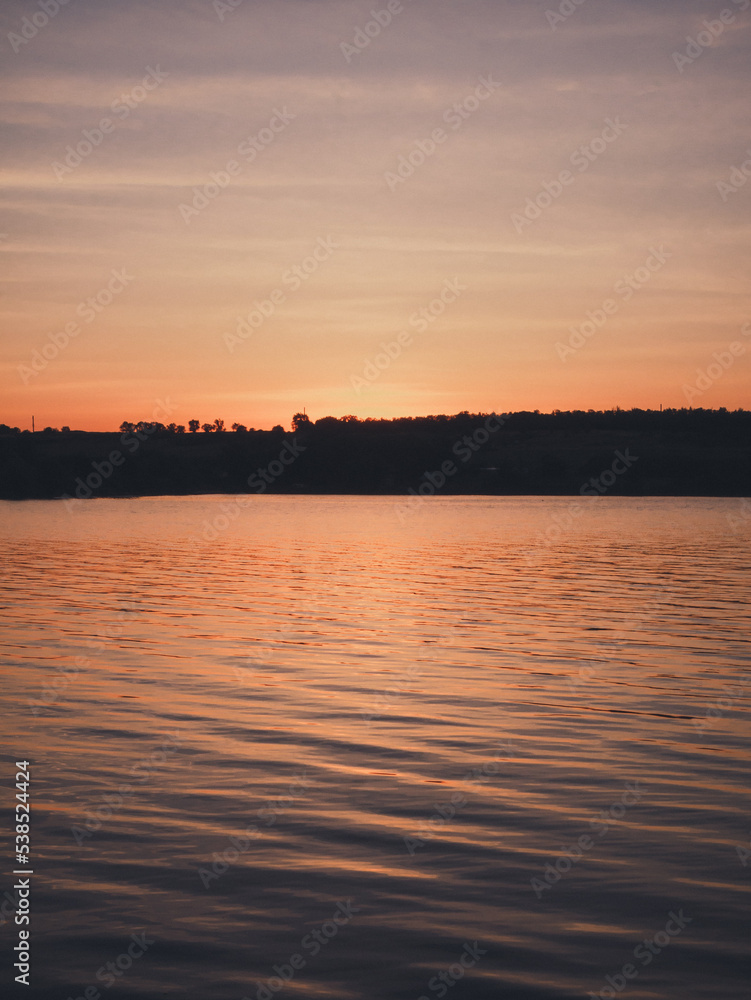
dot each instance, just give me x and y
(402, 724)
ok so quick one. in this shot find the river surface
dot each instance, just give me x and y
(348, 748)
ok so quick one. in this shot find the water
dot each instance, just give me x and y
(401, 722)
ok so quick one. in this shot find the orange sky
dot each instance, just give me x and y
(304, 133)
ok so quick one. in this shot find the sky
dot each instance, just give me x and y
(241, 210)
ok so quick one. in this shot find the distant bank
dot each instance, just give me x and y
(617, 452)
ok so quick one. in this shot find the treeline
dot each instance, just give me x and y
(684, 418)
(674, 452)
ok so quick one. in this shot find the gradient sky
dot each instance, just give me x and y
(323, 178)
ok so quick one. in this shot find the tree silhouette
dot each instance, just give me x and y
(300, 421)
(193, 425)
(207, 428)
(688, 451)
(218, 425)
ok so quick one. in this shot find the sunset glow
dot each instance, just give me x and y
(318, 176)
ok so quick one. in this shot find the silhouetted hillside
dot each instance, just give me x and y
(625, 452)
